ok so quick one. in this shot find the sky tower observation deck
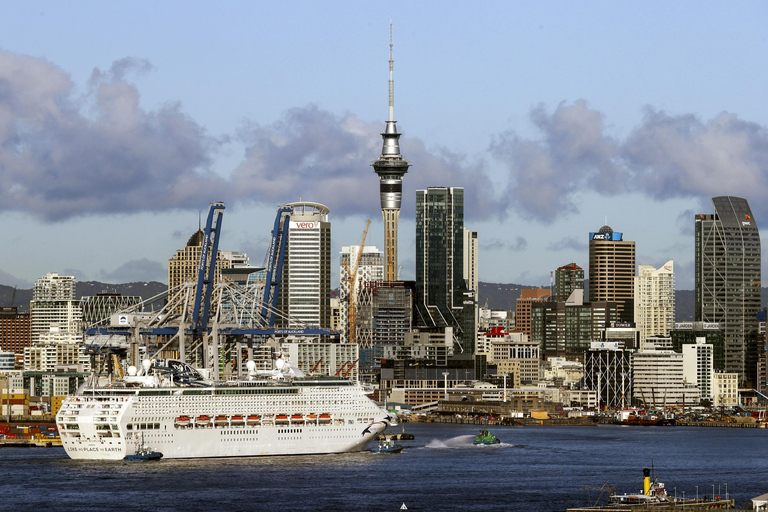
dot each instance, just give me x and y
(390, 167)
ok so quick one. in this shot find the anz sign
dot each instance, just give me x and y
(610, 237)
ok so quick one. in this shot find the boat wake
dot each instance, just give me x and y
(461, 442)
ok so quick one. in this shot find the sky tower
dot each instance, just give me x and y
(390, 167)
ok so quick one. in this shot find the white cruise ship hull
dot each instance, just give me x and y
(220, 421)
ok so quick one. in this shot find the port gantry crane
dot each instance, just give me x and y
(246, 317)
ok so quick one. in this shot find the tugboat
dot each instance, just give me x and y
(485, 437)
(143, 453)
(387, 445)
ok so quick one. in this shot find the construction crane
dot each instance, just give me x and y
(352, 280)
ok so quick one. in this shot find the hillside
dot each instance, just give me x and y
(85, 288)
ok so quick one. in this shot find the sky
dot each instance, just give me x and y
(120, 122)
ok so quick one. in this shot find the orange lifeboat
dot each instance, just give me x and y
(281, 418)
(203, 420)
(237, 420)
(253, 419)
(325, 418)
(297, 418)
(182, 421)
(312, 417)
(221, 420)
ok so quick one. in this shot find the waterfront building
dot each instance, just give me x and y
(524, 307)
(684, 333)
(727, 275)
(391, 167)
(627, 334)
(559, 371)
(55, 315)
(305, 292)
(608, 371)
(658, 379)
(655, 300)
(567, 279)
(725, 389)
(369, 269)
(53, 356)
(324, 358)
(442, 297)
(14, 330)
(612, 271)
(512, 353)
(566, 329)
(698, 369)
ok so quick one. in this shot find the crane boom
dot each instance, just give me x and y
(352, 282)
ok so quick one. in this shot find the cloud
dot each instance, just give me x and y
(137, 270)
(516, 245)
(56, 162)
(568, 243)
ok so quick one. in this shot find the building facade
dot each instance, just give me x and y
(442, 297)
(567, 279)
(612, 271)
(727, 275)
(305, 292)
(370, 268)
(14, 330)
(55, 315)
(608, 371)
(655, 300)
(698, 369)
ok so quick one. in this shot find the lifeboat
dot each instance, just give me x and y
(182, 421)
(281, 418)
(221, 421)
(237, 420)
(253, 419)
(312, 417)
(325, 418)
(203, 420)
(297, 418)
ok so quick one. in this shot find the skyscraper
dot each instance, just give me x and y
(55, 315)
(567, 279)
(441, 293)
(612, 271)
(305, 292)
(391, 167)
(655, 300)
(370, 269)
(727, 280)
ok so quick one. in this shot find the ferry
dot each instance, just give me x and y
(182, 413)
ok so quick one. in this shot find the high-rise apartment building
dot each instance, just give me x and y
(612, 271)
(567, 279)
(14, 330)
(441, 292)
(471, 265)
(305, 292)
(391, 167)
(369, 269)
(55, 315)
(655, 300)
(727, 273)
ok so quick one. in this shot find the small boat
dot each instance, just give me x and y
(387, 445)
(221, 421)
(237, 420)
(312, 417)
(203, 420)
(281, 418)
(325, 418)
(182, 421)
(485, 437)
(253, 419)
(297, 419)
(143, 453)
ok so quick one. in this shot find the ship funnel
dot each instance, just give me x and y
(647, 481)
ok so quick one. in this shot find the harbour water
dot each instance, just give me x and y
(533, 469)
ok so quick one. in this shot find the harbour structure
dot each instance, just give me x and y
(655, 300)
(391, 167)
(305, 293)
(727, 281)
(442, 297)
(608, 371)
(99, 307)
(612, 271)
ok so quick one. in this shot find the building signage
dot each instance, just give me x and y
(610, 237)
(690, 326)
(609, 345)
(303, 225)
(711, 326)
(684, 326)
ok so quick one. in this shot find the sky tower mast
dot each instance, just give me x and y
(390, 167)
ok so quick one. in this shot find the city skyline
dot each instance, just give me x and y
(118, 127)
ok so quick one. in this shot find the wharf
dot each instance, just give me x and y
(697, 505)
(506, 421)
(403, 436)
(30, 442)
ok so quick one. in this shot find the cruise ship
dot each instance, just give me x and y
(179, 411)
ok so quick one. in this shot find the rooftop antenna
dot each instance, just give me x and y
(391, 80)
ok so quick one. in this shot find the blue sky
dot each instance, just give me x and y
(121, 121)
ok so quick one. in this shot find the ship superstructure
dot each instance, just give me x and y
(171, 407)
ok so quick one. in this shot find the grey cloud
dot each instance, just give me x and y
(568, 243)
(516, 245)
(56, 162)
